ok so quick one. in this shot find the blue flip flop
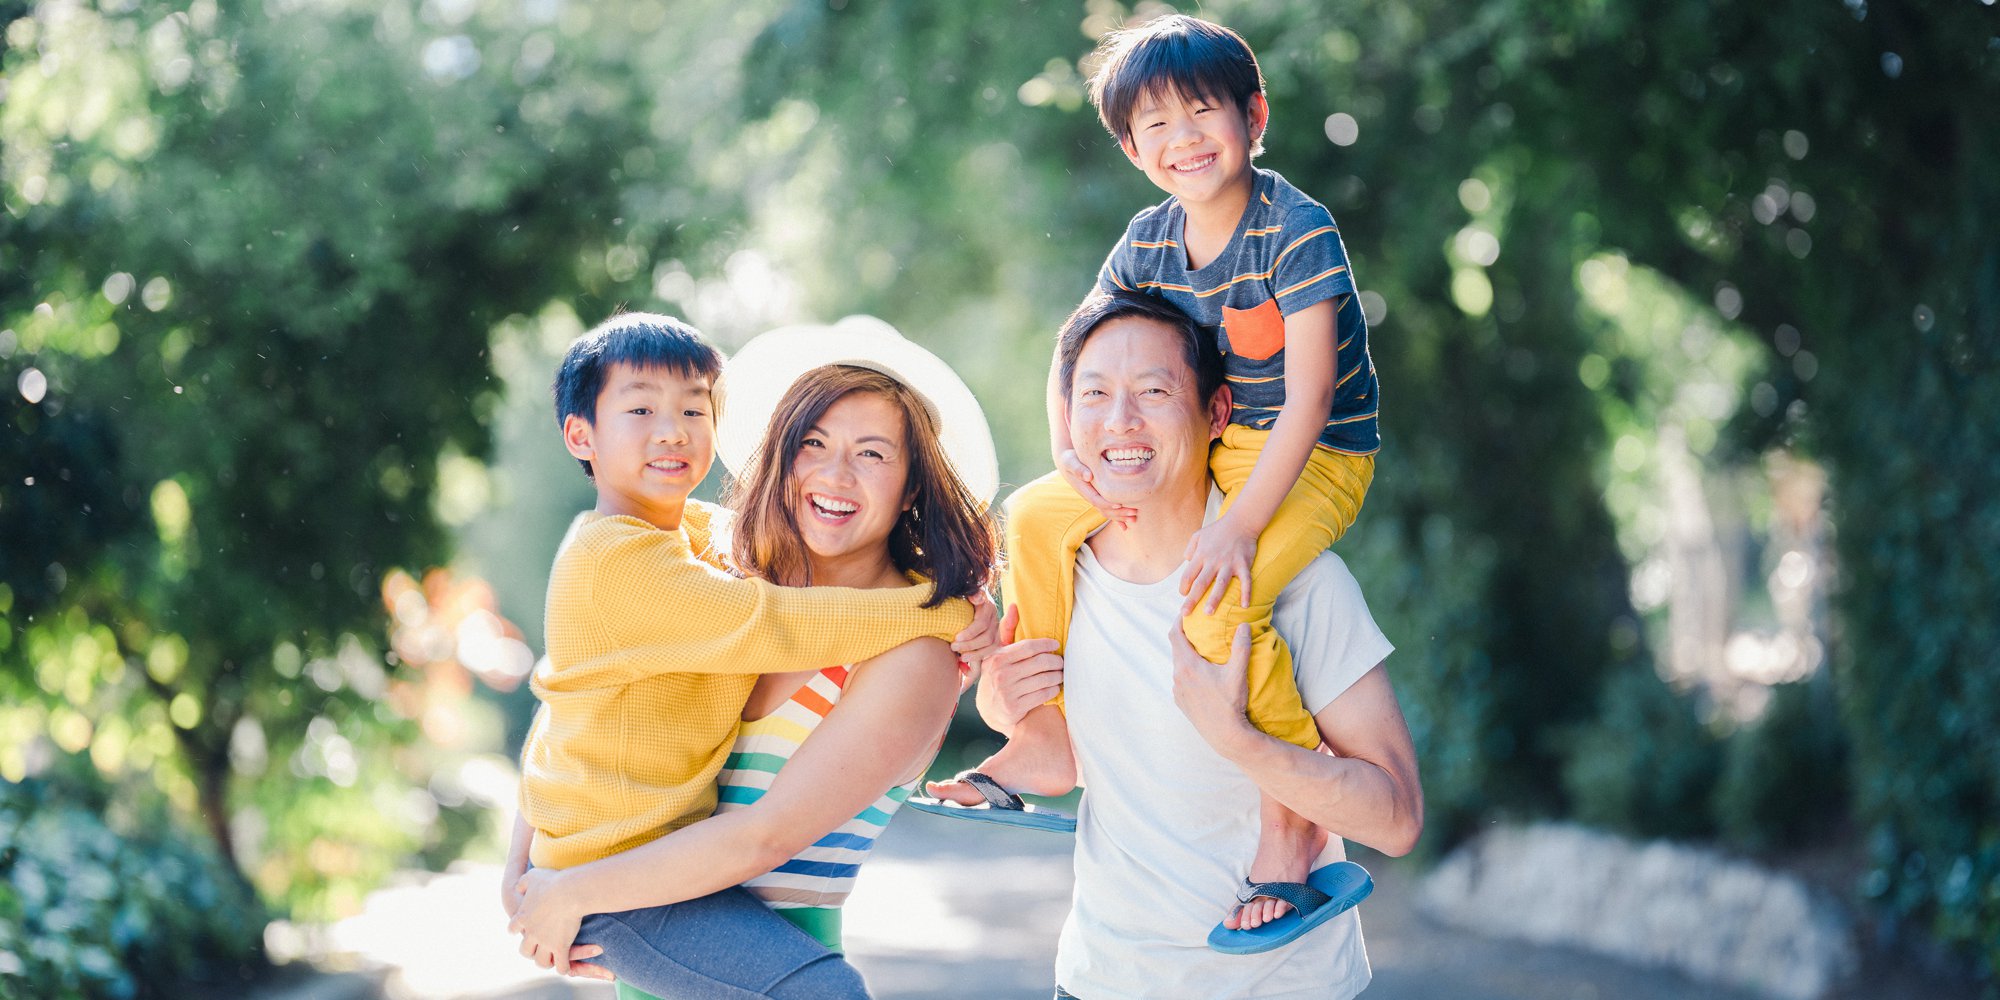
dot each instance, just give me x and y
(1325, 894)
(1001, 807)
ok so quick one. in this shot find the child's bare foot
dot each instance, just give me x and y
(1286, 846)
(1037, 761)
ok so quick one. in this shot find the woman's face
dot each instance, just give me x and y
(850, 479)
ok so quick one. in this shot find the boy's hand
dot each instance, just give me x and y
(1077, 475)
(1023, 674)
(546, 919)
(1217, 554)
(981, 637)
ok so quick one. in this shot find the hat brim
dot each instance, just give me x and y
(763, 370)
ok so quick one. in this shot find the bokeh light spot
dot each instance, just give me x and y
(1471, 291)
(1728, 301)
(1474, 195)
(157, 294)
(118, 288)
(1374, 308)
(1342, 129)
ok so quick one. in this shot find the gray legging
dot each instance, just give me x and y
(726, 946)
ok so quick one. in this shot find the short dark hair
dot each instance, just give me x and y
(1198, 349)
(642, 340)
(1187, 56)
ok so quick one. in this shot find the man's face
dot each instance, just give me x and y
(652, 442)
(1136, 416)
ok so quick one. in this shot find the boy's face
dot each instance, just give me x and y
(652, 442)
(1197, 151)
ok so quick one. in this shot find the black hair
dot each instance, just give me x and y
(641, 340)
(1183, 55)
(1198, 349)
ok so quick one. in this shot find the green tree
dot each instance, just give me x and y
(255, 256)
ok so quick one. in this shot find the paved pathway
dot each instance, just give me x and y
(953, 910)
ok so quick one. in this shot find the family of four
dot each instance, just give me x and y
(736, 702)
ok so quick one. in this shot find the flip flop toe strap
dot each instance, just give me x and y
(1304, 898)
(995, 796)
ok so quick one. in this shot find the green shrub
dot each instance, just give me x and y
(93, 912)
(1647, 765)
(1784, 777)
(1919, 667)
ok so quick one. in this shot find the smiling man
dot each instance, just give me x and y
(1172, 765)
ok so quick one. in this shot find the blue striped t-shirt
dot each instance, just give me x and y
(1285, 255)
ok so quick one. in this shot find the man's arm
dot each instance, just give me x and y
(1365, 789)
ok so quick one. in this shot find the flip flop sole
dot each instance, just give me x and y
(1028, 818)
(1345, 883)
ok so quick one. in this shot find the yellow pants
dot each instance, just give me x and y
(1047, 522)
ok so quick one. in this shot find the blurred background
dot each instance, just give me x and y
(1687, 315)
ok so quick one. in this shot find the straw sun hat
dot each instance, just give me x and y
(758, 375)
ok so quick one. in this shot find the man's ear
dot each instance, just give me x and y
(578, 437)
(1219, 406)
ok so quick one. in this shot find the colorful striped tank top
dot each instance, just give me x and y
(810, 888)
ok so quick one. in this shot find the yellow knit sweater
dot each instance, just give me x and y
(652, 653)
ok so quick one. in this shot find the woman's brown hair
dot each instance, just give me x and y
(944, 536)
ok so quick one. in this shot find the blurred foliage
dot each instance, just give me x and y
(112, 909)
(1648, 766)
(267, 261)
(254, 256)
(1784, 777)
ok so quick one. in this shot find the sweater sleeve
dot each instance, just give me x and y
(662, 611)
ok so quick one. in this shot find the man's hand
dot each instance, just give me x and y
(1077, 475)
(1217, 554)
(1214, 696)
(1020, 675)
(981, 637)
(546, 919)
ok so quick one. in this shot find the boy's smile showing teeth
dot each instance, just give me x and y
(671, 465)
(1194, 164)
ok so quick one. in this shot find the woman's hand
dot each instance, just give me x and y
(1019, 675)
(1077, 475)
(546, 918)
(517, 864)
(1217, 554)
(510, 876)
(980, 638)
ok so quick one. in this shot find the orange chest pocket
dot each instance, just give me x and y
(1255, 333)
